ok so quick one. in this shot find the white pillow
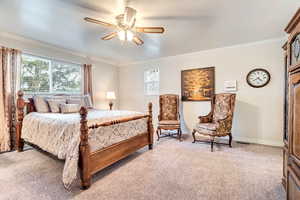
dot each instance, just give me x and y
(41, 104)
(69, 108)
(54, 104)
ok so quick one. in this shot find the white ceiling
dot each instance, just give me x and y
(191, 25)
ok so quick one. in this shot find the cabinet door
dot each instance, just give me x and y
(294, 116)
(293, 173)
(293, 184)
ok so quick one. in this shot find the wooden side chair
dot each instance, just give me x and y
(218, 122)
(169, 118)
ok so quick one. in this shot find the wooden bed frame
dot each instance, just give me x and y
(92, 162)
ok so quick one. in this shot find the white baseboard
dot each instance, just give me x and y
(258, 141)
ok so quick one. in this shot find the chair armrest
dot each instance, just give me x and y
(206, 118)
(224, 125)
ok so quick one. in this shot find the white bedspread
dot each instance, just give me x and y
(59, 134)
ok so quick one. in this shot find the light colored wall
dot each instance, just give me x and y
(259, 111)
(105, 76)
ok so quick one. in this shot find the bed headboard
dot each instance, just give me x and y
(30, 106)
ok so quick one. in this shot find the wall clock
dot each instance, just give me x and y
(258, 78)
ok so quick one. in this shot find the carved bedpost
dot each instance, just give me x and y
(20, 116)
(84, 150)
(150, 126)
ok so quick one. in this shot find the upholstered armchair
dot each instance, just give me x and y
(218, 122)
(168, 118)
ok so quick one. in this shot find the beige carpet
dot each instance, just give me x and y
(172, 170)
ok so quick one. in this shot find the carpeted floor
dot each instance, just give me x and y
(172, 170)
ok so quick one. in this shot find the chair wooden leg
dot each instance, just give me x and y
(179, 134)
(193, 133)
(157, 133)
(230, 140)
(150, 146)
(212, 145)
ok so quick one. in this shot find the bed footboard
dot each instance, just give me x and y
(92, 162)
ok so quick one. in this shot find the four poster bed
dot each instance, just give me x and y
(85, 141)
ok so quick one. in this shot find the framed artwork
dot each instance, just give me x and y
(198, 84)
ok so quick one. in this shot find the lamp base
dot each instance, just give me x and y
(110, 105)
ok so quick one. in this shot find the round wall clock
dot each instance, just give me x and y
(258, 78)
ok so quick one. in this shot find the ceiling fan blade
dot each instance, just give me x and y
(150, 29)
(110, 36)
(88, 19)
(129, 16)
(138, 41)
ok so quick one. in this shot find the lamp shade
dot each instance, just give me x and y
(110, 95)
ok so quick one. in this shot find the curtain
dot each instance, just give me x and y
(88, 80)
(10, 60)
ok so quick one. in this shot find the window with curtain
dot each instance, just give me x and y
(42, 75)
(151, 81)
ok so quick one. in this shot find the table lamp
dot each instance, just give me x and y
(110, 96)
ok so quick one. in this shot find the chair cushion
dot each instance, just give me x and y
(169, 122)
(207, 126)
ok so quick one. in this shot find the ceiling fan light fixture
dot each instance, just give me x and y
(125, 35)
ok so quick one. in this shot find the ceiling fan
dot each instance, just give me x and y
(125, 27)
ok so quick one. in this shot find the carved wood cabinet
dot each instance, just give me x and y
(291, 138)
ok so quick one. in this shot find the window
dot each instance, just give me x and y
(151, 81)
(40, 75)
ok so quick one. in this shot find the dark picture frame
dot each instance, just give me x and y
(198, 84)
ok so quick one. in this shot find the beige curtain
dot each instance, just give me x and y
(10, 60)
(88, 80)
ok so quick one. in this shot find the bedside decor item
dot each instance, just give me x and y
(110, 96)
(258, 78)
(218, 122)
(198, 84)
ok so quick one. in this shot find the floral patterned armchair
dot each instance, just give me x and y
(218, 122)
(168, 118)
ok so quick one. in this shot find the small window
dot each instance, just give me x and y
(40, 75)
(151, 82)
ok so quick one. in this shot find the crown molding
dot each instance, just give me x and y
(294, 21)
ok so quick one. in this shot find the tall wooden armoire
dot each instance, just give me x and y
(291, 151)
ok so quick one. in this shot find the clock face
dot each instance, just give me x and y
(297, 48)
(258, 78)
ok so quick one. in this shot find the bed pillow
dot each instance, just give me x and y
(54, 104)
(69, 108)
(84, 100)
(41, 104)
(88, 101)
(76, 100)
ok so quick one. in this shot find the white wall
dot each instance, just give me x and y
(259, 111)
(105, 76)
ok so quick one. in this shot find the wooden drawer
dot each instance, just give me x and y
(293, 182)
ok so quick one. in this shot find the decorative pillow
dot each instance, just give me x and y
(76, 100)
(84, 100)
(54, 104)
(69, 108)
(41, 104)
(88, 101)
